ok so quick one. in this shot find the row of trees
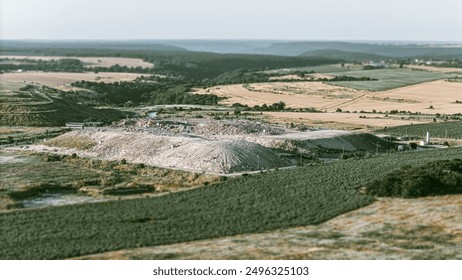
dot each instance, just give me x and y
(139, 92)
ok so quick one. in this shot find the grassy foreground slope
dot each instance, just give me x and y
(275, 200)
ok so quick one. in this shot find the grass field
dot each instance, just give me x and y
(328, 68)
(448, 130)
(388, 78)
(275, 200)
(424, 228)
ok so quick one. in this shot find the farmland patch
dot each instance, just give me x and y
(274, 200)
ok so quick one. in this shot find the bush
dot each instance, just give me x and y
(52, 157)
(434, 178)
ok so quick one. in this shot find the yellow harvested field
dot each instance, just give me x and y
(428, 98)
(346, 121)
(62, 79)
(294, 94)
(90, 61)
(439, 95)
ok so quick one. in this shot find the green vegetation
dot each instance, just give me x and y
(449, 130)
(28, 175)
(187, 66)
(256, 203)
(348, 56)
(434, 178)
(278, 106)
(61, 65)
(164, 92)
(384, 50)
(14, 135)
(388, 78)
(345, 78)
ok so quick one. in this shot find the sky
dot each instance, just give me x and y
(401, 20)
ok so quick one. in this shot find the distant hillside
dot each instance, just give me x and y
(42, 106)
(348, 56)
(47, 47)
(388, 49)
(219, 46)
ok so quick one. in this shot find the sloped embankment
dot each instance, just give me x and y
(34, 106)
(323, 141)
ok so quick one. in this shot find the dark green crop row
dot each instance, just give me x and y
(250, 204)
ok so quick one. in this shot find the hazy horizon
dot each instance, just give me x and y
(291, 20)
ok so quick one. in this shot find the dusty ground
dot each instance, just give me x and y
(90, 61)
(62, 80)
(425, 228)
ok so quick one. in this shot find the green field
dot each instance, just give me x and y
(330, 68)
(450, 130)
(250, 204)
(388, 78)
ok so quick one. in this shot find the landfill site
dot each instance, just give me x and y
(212, 146)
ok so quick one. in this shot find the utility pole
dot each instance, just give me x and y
(377, 148)
(258, 162)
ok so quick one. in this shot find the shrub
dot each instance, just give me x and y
(52, 157)
(434, 178)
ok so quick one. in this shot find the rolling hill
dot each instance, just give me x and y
(381, 49)
(348, 56)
